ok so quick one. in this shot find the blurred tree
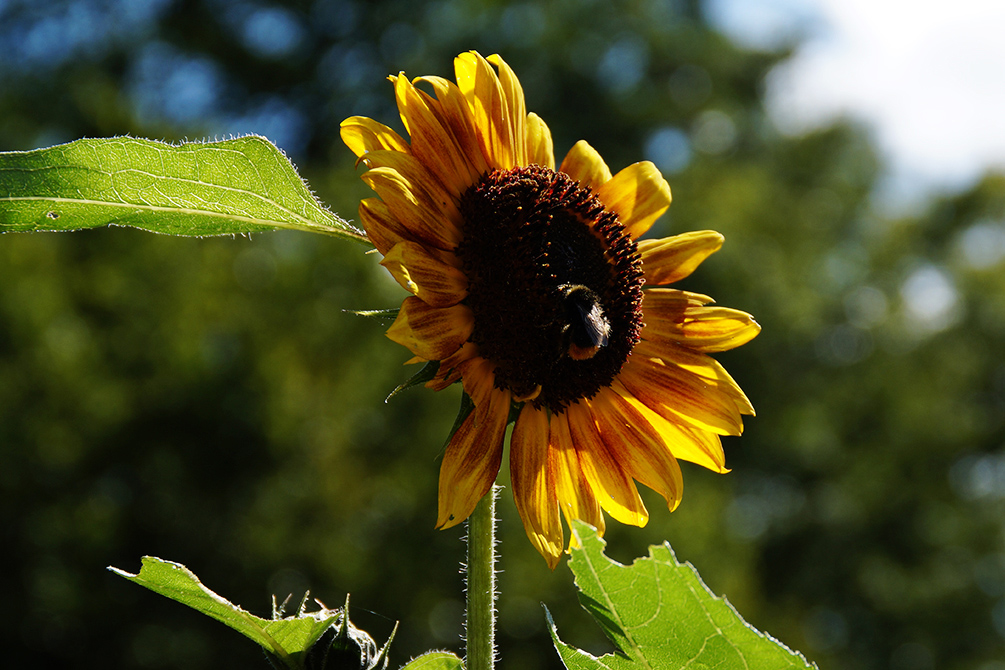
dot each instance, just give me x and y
(210, 402)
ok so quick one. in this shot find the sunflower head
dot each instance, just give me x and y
(530, 286)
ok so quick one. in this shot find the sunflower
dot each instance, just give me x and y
(531, 287)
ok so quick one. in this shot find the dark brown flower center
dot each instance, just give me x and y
(555, 284)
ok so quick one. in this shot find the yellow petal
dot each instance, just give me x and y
(670, 259)
(686, 443)
(422, 273)
(678, 395)
(433, 333)
(703, 329)
(433, 142)
(711, 373)
(472, 460)
(514, 109)
(614, 489)
(455, 112)
(575, 496)
(638, 447)
(540, 149)
(415, 198)
(670, 302)
(362, 135)
(639, 194)
(534, 485)
(481, 88)
(584, 164)
(383, 229)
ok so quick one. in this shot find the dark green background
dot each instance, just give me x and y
(210, 402)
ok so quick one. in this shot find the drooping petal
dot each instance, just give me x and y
(670, 259)
(431, 332)
(638, 446)
(615, 490)
(420, 272)
(432, 137)
(534, 483)
(486, 97)
(415, 198)
(540, 149)
(678, 395)
(584, 164)
(639, 194)
(362, 135)
(686, 443)
(472, 459)
(576, 498)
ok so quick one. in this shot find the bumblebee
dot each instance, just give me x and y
(586, 327)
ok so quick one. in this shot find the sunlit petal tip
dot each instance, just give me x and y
(585, 164)
(671, 259)
(639, 194)
(493, 101)
(362, 135)
(551, 551)
(540, 147)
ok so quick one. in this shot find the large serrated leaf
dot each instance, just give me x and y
(286, 639)
(435, 660)
(235, 186)
(661, 616)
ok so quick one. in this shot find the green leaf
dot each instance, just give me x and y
(235, 186)
(661, 616)
(285, 639)
(435, 660)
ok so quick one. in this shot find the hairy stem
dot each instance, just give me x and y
(481, 614)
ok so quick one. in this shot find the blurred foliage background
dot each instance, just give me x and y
(210, 402)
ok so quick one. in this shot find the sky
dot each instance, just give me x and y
(927, 77)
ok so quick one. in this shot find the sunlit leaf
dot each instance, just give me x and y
(286, 639)
(435, 660)
(235, 186)
(661, 616)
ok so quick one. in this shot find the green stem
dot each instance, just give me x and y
(481, 616)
